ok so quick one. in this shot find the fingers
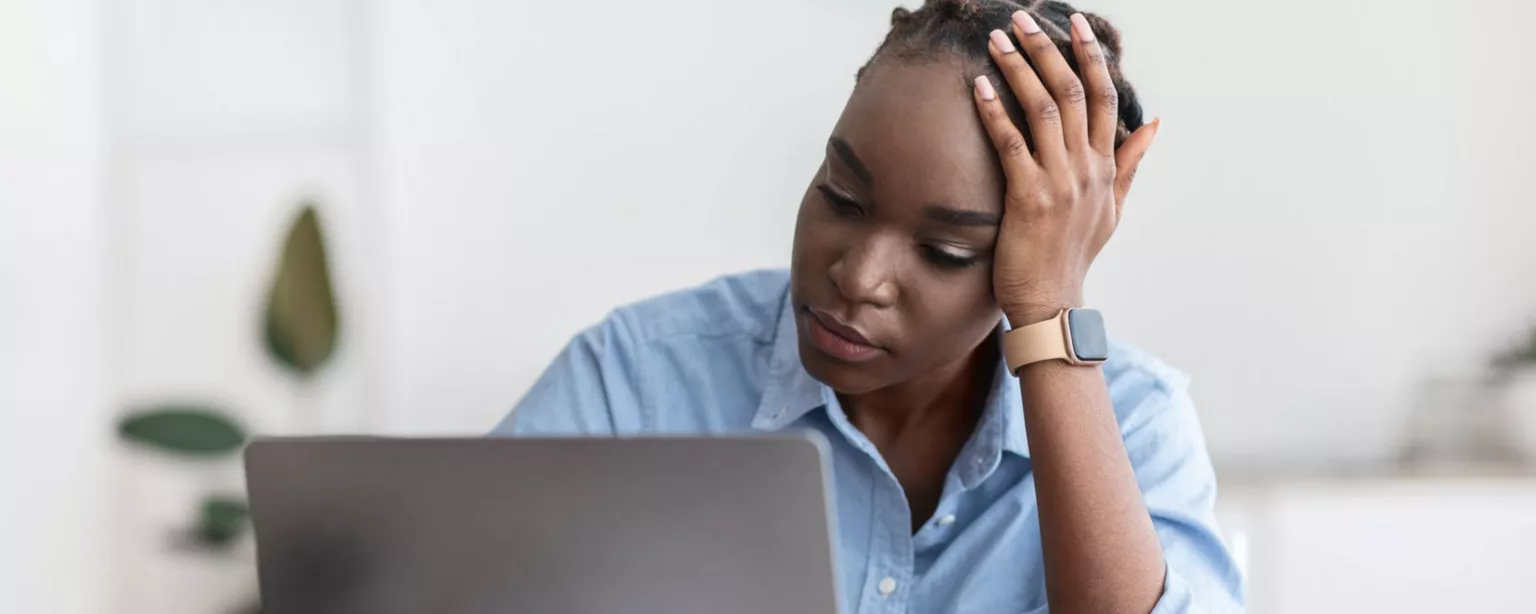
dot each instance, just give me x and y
(1040, 109)
(1018, 164)
(1103, 100)
(1128, 157)
(1064, 86)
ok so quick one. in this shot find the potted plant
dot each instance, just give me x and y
(299, 331)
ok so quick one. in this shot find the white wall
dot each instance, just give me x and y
(541, 163)
(53, 389)
(1333, 210)
(1330, 215)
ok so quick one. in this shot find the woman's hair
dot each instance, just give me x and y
(960, 28)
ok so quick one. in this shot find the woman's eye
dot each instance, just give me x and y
(839, 202)
(948, 260)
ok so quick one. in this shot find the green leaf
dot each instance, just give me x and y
(186, 430)
(222, 521)
(300, 325)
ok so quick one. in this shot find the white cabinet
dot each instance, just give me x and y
(1389, 544)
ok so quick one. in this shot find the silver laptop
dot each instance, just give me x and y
(543, 526)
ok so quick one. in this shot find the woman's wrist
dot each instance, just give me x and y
(1024, 313)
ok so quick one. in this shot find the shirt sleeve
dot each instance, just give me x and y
(590, 388)
(1167, 451)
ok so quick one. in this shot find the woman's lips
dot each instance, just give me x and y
(838, 340)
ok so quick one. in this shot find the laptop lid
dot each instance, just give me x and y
(543, 526)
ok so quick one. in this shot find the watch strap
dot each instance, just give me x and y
(1037, 342)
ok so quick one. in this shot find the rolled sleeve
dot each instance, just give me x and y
(1178, 598)
(1167, 449)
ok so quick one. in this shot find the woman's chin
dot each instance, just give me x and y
(841, 376)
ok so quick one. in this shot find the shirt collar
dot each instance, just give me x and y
(790, 393)
(1001, 428)
(1006, 399)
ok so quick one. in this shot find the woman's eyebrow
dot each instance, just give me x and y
(845, 152)
(960, 217)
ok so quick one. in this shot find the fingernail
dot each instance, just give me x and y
(1001, 40)
(1026, 23)
(984, 87)
(1084, 31)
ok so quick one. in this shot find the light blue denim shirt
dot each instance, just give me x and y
(724, 359)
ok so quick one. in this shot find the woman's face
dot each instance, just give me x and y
(892, 269)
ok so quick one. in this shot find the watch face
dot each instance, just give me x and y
(1089, 342)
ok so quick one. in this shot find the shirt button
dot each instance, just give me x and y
(946, 520)
(887, 586)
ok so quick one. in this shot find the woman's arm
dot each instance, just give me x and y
(1173, 476)
(1064, 197)
(1101, 552)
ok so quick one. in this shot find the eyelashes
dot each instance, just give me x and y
(839, 202)
(947, 260)
(845, 206)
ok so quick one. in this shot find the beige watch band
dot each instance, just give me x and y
(1048, 340)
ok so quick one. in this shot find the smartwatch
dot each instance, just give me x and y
(1075, 336)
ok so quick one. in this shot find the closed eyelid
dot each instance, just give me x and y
(959, 248)
(830, 176)
(832, 189)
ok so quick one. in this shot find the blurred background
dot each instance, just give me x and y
(1333, 236)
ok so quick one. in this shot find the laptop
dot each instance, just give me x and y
(737, 525)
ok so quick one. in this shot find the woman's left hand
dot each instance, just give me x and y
(1063, 199)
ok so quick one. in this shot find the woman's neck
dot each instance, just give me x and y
(952, 395)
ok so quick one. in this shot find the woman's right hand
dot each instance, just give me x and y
(1064, 199)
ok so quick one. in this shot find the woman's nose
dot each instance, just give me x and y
(866, 273)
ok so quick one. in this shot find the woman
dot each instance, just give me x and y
(979, 166)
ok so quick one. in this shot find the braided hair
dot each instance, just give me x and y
(949, 28)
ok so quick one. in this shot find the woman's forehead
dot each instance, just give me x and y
(914, 126)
